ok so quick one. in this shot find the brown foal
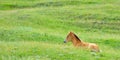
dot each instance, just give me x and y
(71, 37)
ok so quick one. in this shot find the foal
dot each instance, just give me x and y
(71, 37)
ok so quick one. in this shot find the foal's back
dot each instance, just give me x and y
(91, 46)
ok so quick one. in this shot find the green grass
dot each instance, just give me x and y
(35, 29)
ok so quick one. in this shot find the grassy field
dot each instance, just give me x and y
(35, 29)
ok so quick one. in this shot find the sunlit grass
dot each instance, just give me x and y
(40, 50)
(35, 29)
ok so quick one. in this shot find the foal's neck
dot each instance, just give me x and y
(76, 42)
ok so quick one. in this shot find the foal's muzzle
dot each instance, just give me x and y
(64, 41)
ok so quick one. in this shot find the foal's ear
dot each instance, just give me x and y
(70, 32)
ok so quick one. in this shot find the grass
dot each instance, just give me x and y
(40, 50)
(35, 29)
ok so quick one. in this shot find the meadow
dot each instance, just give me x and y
(36, 29)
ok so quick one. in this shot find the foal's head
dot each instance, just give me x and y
(70, 37)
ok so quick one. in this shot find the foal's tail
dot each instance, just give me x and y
(95, 48)
(98, 49)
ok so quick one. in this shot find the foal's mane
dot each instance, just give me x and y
(76, 37)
